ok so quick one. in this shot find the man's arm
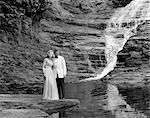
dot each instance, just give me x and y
(64, 66)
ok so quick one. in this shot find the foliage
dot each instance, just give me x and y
(30, 8)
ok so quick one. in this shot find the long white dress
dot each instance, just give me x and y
(50, 87)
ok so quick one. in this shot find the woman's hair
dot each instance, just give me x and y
(50, 51)
(47, 56)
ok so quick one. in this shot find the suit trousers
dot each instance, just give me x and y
(61, 87)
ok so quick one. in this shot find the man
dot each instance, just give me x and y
(61, 73)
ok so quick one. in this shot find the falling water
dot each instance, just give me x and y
(124, 22)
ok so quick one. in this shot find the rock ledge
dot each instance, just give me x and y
(31, 106)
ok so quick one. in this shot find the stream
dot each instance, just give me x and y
(103, 100)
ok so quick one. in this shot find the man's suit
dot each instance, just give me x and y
(61, 72)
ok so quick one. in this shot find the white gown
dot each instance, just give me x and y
(50, 87)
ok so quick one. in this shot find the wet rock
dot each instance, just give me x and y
(24, 102)
(23, 113)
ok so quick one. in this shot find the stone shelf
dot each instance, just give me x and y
(31, 106)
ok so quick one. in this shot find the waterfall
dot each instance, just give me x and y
(124, 22)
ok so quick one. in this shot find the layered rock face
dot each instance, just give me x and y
(134, 59)
(75, 27)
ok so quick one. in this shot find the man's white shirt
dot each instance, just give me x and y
(60, 66)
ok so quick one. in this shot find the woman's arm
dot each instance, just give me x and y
(44, 67)
(54, 69)
(54, 65)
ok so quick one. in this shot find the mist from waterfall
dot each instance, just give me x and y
(124, 22)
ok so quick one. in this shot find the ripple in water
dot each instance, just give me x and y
(102, 100)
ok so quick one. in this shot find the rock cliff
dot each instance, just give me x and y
(29, 28)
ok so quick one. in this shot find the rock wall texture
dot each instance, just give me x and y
(134, 59)
(29, 28)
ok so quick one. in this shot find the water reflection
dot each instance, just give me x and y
(119, 107)
(60, 114)
(90, 94)
(54, 115)
(103, 100)
(137, 97)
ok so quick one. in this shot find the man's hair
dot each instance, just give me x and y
(55, 51)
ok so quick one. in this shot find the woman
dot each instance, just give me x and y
(50, 87)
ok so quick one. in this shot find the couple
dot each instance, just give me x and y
(54, 68)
